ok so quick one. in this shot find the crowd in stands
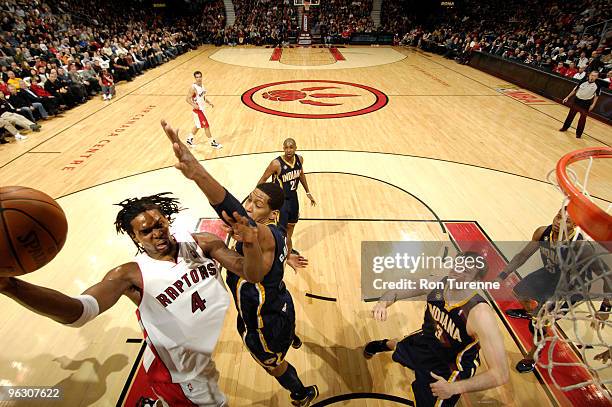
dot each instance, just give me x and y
(548, 37)
(337, 20)
(55, 56)
(262, 22)
(274, 22)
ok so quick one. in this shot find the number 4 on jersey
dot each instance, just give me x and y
(197, 303)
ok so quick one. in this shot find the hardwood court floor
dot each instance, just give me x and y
(447, 144)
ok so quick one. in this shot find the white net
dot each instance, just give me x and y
(573, 329)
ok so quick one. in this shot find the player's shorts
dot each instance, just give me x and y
(539, 285)
(269, 345)
(199, 119)
(291, 210)
(201, 391)
(414, 353)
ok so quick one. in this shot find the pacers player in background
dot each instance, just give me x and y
(287, 170)
(444, 354)
(266, 314)
(196, 97)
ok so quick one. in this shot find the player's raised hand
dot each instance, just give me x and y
(379, 312)
(187, 163)
(297, 262)
(243, 231)
(441, 388)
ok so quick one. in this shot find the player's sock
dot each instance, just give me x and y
(375, 347)
(290, 381)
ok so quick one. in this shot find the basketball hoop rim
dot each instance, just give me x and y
(586, 214)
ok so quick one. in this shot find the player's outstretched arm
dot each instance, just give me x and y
(70, 310)
(379, 312)
(255, 263)
(524, 255)
(273, 168)
(192, 169)
(482, 324)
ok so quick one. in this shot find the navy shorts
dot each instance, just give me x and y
(269, 345)
(415, 353)
(291, 210)
(539, 285)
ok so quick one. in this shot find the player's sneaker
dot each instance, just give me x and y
(374, 347)
(312, 392)
(525, 365)
(297, 342)
(518, 313)
(216, 145)
(146, 402)
(190, 142)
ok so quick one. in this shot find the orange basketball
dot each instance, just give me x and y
(33, 230)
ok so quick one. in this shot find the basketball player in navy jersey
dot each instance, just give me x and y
(287, 171)
(539, 286)
(444, 354)
(266, 315)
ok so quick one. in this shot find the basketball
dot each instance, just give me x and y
(33, 230)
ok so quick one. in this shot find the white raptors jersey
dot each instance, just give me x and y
(182, 309)
(200, 96)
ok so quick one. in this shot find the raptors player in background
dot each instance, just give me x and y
(196, 97)
(288, 172)
(179, 293)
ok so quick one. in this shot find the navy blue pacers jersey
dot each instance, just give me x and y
(445, 330)
(261, 303)
(548, 249)
(289, 177)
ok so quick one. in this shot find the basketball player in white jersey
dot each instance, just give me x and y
(196, 97)
(179, 293)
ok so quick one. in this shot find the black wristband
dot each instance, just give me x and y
(230, 205)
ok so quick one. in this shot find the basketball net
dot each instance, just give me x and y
(306, 5)
(572, 317)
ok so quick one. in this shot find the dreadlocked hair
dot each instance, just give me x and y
(132, 207)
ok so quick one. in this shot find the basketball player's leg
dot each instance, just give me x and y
(197, 125)
(532, 291)
(401, 348)
(203, 390)
(293, 215)
(269, 347)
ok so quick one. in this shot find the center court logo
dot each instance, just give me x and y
(314, 99)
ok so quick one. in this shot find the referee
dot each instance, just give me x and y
(587, 92)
